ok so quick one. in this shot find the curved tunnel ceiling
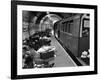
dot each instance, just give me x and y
(47, 22)
(28, 15)
(52, 17)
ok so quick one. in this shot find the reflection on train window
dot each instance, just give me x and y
(70, 26)
(86, 25)
(66, 26)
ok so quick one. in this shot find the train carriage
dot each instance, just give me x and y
(73, 32)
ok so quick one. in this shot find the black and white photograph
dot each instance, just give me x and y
(47, 37)
(53, 39)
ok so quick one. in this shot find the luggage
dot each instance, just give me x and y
(47, 55)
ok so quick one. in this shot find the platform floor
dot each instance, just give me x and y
(62, 58)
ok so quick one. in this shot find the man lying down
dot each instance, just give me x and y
(41, 57)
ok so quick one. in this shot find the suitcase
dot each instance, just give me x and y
(47, 55)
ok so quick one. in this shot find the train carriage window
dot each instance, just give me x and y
(66, 26)
(60, 27)
(86, 23)
(63, 26)
(85, 27)
(71, 26)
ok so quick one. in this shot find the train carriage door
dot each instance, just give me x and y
(85, 25)
(84, 34)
